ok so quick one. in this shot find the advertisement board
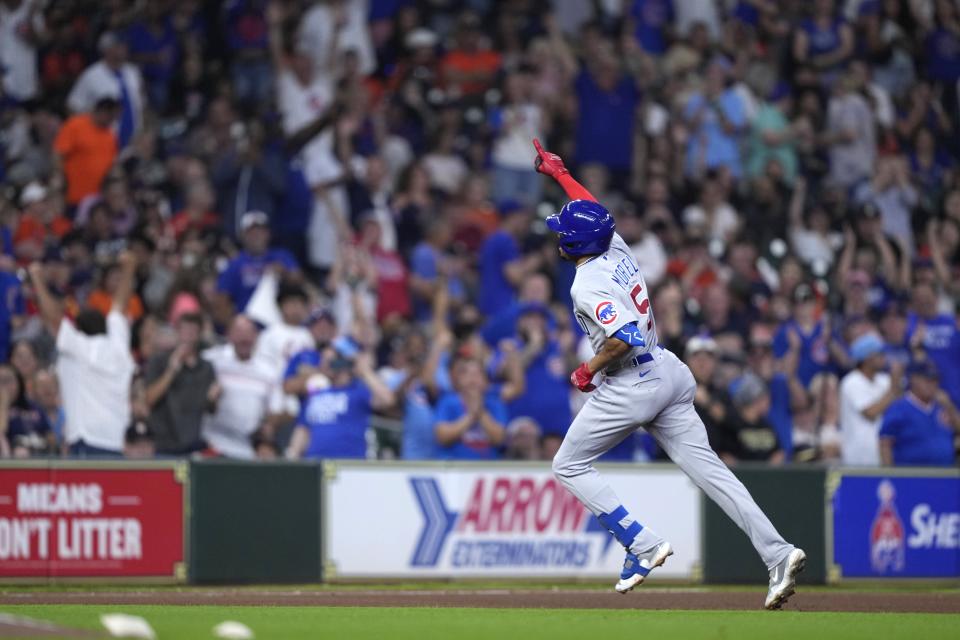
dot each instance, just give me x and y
(494, 520)
(93, 520)
(894, 524)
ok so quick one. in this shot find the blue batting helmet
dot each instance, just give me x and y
(583, 227)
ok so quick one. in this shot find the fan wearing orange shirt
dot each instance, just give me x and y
(469, 69)
(39, 224)
(87, 146)
(197, 214)
(101, 298)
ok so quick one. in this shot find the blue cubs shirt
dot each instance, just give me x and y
(243, 273)
(474, 444)
(546, 398)
(337, 419)
(11, 304)
(308, 357)
(496, 292)
(921, 436)
(814, 356)
(941, 341)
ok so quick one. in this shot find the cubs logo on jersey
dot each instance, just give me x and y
(606, 313)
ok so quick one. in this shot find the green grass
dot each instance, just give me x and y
(918, 586)
(295, 623)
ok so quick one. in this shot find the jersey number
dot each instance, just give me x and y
(642, 305)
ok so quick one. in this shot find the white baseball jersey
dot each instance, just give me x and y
(609, 292)
(657, 394)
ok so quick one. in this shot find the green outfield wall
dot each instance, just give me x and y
(255, 522)
(793, 498)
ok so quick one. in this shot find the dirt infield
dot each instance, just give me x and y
(508, 598)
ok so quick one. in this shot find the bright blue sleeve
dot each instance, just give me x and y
(227, 281)
(307, 356)
(423, 263)
(780, 342)
(630, 334)
(285, 258)
(449, 408)
(362, 396)
(892, 419)
(497, 409)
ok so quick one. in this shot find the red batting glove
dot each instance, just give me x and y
(549, 164)
(581, 378)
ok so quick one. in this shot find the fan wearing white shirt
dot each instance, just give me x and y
(94, 365)
(865, 393)
(306, 100)
(251, 398)
(281, 341)
(111, 76)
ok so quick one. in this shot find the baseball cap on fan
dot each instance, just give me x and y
(254, 219)
(698, 344)
(33, 192)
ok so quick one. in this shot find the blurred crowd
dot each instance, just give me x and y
(283, 228)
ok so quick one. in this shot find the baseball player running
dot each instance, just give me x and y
(643, 385)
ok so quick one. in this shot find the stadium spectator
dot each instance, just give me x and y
(250, 398)
(24, 430)
(746, 434)
(865, 395)
(112, 76)
(919, 429)
(138, 442)
(181, 388)
(46, 395)
(240, 278)
(94, 365)
(87, 146)
(12, 310)
(335, 415)
(797, 164)
(471, 419)
(22, 30)
(502, 265)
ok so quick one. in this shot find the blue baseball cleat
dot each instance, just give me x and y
(637, 568)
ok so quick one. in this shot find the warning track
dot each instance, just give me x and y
(699, 599)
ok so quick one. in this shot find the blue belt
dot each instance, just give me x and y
(636, 361)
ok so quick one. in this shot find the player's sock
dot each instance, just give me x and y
(628, 532)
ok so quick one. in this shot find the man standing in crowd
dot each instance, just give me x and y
(86, 147)
(242, 275)
(112, 76)
(919, 429)
(94, 365)
(251, 395)
(333, 420)
(181, 388)
(865, 394)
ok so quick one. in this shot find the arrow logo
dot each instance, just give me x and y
(438, 522)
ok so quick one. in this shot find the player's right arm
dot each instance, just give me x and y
(550, 164)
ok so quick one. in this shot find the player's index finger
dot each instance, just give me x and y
(536, 145)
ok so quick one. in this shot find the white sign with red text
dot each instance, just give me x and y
(504, 520)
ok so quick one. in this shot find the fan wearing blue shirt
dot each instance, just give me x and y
(935, 336)
(717, 118)
(502, 267)
(239, 280)
(546, 398)
(919, 428)
(813, 354)
(333, 421)
(607, 103)
(471, 420)
(11, 310)
(303, 365)
(427, 263)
